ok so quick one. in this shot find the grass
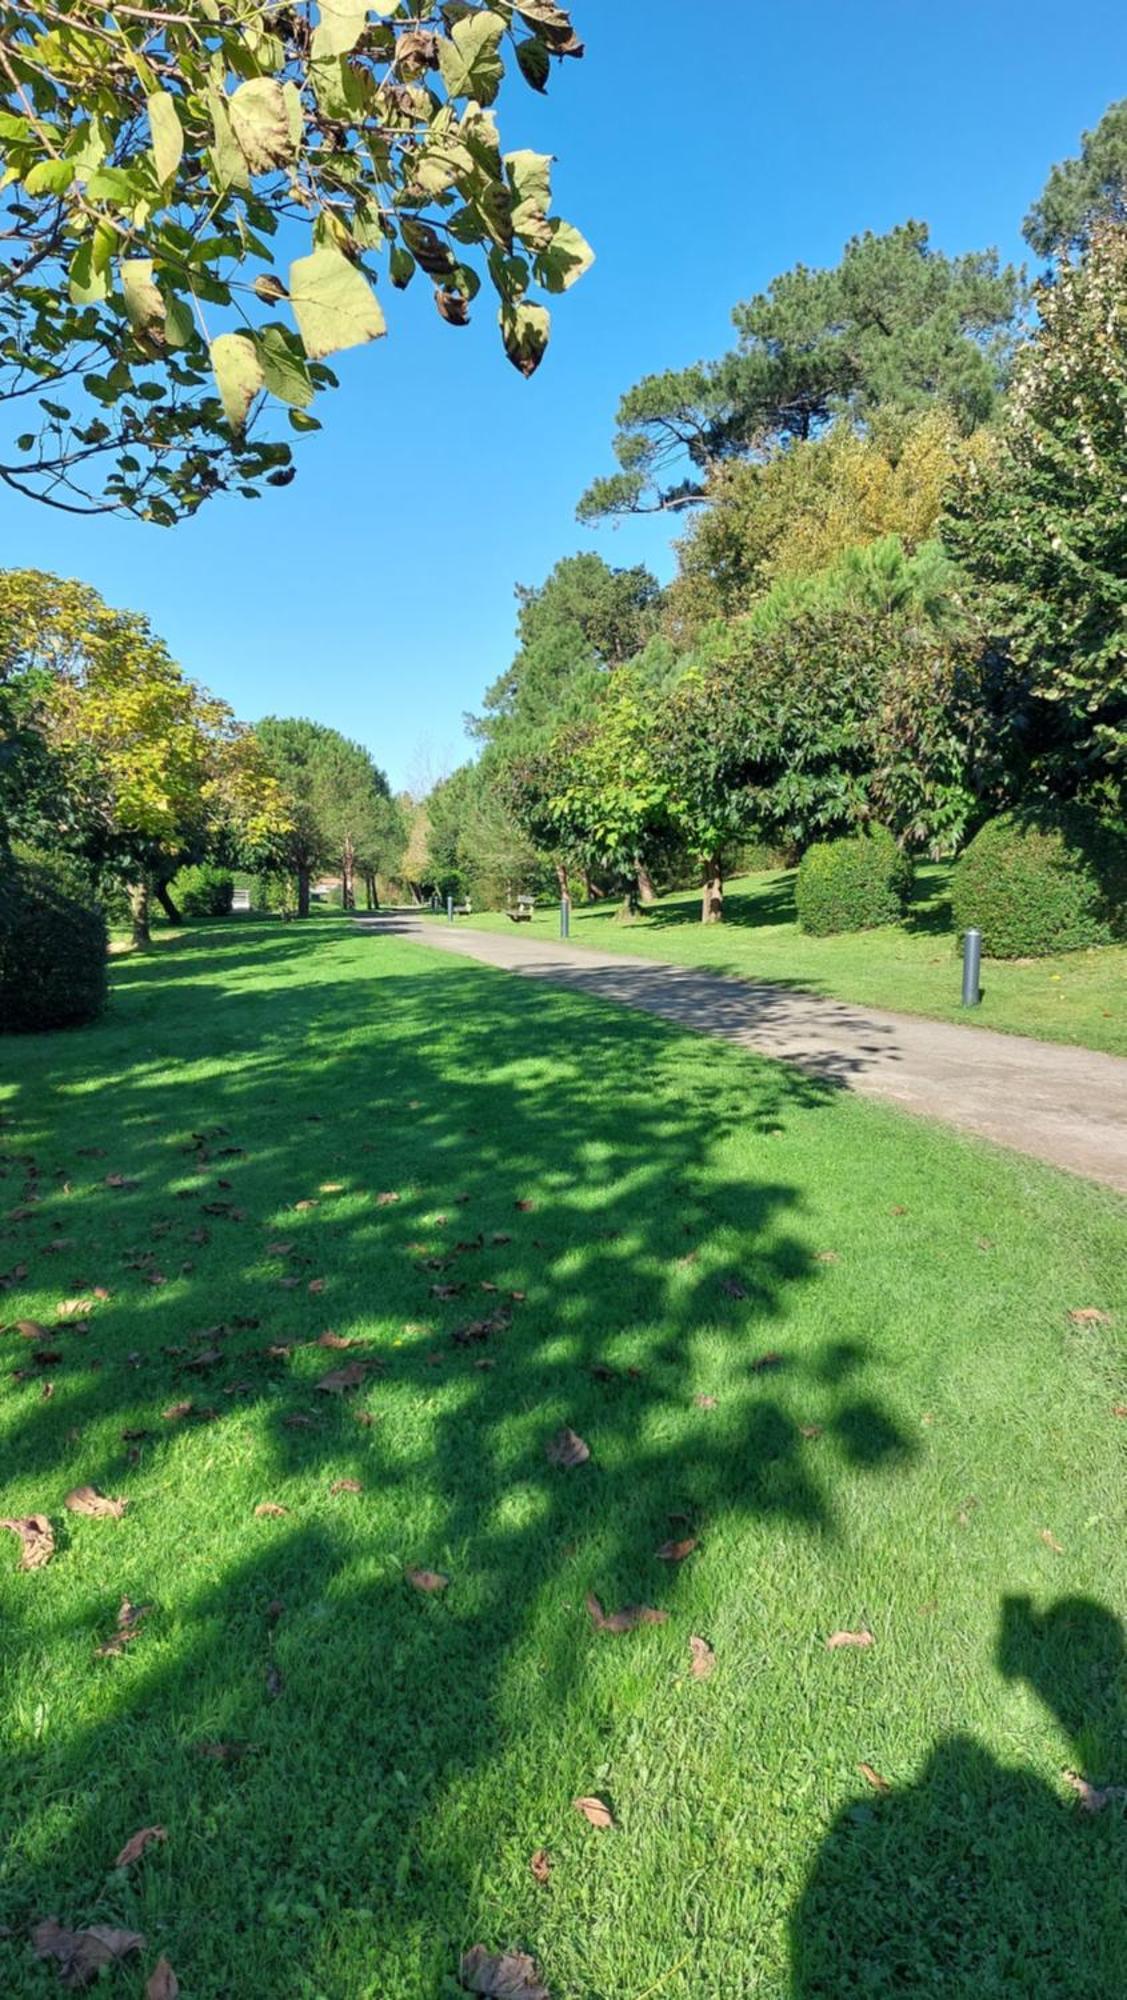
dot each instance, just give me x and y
(913, 969)
(898, 1409)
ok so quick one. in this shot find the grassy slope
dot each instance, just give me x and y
(421, 1748)
(1078, 997)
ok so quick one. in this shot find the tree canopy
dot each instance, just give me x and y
(339, 809)
(1081, 193)
(196, 206)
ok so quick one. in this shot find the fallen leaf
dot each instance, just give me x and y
(67, 1308)
(541, 1865)
(303, 1207)
(274, 1681)
(133, 1849)
(339, 1380)
(162, 1983)
(734, 1289)
(331, 1187)
(222, 1753)
(427, 1579)
(37, 1536)
(128, 1625)
(331, 1339)
(88, 1500)
(499, 1240)
(1093, 1798)
(175, 1411)
(567, 1449)
(705, 1402)
(810, 1430)
(121, 1181)
(508, 1975)
(838, 1639)
(675, 1552)
(1119, 1409)
(1090, 1316)
(1050, 1541)
(626, 1620)
(874, 1778)
(704, 1659)
(346, 1486)
(385, 1200)
(526, 1207)
(269, 1510)
(827, 1257)
(316, 1285)
(594, 1812)
(30, 1329)
(298, 1422)
(81, 1955)
(278, 1249)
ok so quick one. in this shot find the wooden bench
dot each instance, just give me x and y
(523, 911)
(463, 909)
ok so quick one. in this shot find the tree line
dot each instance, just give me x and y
(901, 586)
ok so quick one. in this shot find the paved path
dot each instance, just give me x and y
(1067, 1106)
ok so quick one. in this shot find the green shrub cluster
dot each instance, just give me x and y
(204, 891)
(1035, 883)
(52, 953)
(852, 884)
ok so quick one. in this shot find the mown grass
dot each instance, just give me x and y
(927, 1413)
(914, 968)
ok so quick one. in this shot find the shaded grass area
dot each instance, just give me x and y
(1078, 997)
(896, 1408)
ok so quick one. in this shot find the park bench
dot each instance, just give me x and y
(522, 911)
(463, 909)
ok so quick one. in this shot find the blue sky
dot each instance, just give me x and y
(702, 150)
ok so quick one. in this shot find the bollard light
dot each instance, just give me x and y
(972, 968)
(449, 909)
(565, 916)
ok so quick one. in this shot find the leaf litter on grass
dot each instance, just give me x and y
(36, 1536)
(501, 1975)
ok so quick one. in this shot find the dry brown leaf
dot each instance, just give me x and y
(675, 1552)
(316, 1285)
(705, 1402)
(303, 1207)
(1090, 1316)
(1050, 1541)
(346, 1486)
(874, 1778)
(626, 1620)
(269, 1510)
(133, 1849)
(767, 1363)
(1093, 1798)
(704, 1659)
(37, 1536)
(567, 1449)
(331, 1187)
(278, 1249)
(67, 1308)
(385, 1200)
(128, 1625)
(501, 1975)
(810, 1431)
(162, 1983)
(1119, 1409)
(175, 1411)
(828, 1257)
(839, 1639)
(594, 1812)
(88, 1500)
(526, 1207)
(30, 1329)
(541, 1865)
(335, 1340)
(427, 1579)
(339, 1380)
(81, 1955)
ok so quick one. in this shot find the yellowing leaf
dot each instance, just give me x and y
(333, 303)
(238, 373)
(594, 1812)
(167, 133)
(471, 60)
(261, 125)
(144, 305)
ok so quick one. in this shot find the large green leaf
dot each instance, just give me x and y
(260, 121)
(341, 25)
(565, 259)
(524, 330)
(167, 133)
(144, 305)
(230, 166)
(470, 61)
(333, 303)
(238, 372)
(283, 366)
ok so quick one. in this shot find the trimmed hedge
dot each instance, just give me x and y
(853, 884)
(52, 954)
(1036, 883)
(204, 891)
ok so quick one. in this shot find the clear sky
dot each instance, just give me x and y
(702, 149)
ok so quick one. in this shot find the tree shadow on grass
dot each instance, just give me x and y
(553, 1168)
(977, 1880)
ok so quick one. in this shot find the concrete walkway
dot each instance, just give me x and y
(1066, 1106)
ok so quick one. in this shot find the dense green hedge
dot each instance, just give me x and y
(853, 884)
(1036, 883)
(52, 953)
(204, 891)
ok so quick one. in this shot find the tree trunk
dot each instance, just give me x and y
(561, 878)
(139, 906)
(646, 891)
(303, 892)
(712, 899)
(164, 898)
(348, 876)
(371, 890)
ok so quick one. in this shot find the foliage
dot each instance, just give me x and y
(854, 884)
(475, 847)
(1042, 526)
(1043, 881)
(896, 327)
(52, 954)
(204, 891)
(339, 810)
(801, 509)
(159, 173)
(611, 798)
(1083, 193)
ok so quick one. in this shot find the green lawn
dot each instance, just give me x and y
(1078, 997)
(843, 1364)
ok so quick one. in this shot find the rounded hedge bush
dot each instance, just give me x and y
(1038, 883)
(52, 954)
(852, 884)
(204, 891)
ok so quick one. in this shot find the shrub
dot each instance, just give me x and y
(274, 895)
(204, 891)
(1040, 882)
(853, 884)
(52, 953)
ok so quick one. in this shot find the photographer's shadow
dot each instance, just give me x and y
(979, 1881)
